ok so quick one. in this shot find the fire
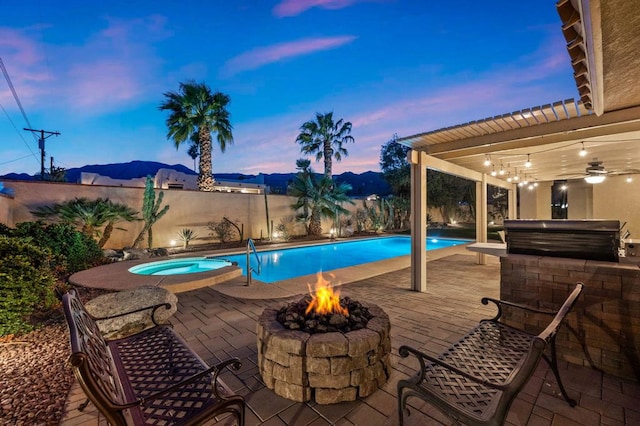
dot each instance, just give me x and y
(325, 301)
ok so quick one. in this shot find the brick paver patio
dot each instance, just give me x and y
(218, 326)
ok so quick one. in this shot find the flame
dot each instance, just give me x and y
(324, 300)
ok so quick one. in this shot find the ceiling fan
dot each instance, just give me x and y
(596, 173)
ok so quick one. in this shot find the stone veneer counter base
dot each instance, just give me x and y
(603, 328)
(325, 367)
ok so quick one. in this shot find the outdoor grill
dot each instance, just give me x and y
(575, 239)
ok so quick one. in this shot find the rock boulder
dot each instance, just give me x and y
(130, 300)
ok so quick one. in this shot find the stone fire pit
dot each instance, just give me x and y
(327, 367)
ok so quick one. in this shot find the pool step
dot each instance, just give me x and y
(212, 278)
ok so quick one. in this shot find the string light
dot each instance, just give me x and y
(501, 172)
(528, 163)
(515, 175)
(629, 179)
(509, 177)
(493, 172)
(583, 152)
(487, 160)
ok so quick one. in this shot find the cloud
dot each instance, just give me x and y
(108, 69)
(295, 7)
(261, 56)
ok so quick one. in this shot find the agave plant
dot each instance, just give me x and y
(186, 235)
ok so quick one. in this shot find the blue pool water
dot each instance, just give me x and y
(282, 264)
(187, 265)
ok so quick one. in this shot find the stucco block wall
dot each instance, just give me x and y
(603, 330)
(187, 209)
(6, 209)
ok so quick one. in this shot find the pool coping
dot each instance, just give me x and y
(229, 279)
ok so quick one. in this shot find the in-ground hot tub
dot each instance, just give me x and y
(187, 265)
(327, 367)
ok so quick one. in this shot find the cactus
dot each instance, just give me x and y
(150, 212)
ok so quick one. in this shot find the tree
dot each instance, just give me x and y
(89, 216)
(317, 198)
(115, 213)
(324, 138)
(195, 110)
(395, 167)
(151, 212)
(445, 192)
(194, 150)
(397, 172)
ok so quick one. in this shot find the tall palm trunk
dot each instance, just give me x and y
(108, 230)
(315, 224)
(327, 153)
(205, 177)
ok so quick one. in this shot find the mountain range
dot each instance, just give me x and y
(363, 184)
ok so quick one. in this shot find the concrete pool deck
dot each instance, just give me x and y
(218, 326)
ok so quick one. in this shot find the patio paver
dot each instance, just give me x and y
(219, 326)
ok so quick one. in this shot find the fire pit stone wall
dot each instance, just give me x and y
(327, 367)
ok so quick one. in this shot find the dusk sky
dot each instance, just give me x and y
(96, 72)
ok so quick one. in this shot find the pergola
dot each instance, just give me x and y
(603, 41)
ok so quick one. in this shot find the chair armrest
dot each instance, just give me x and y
(406, 350)
(501, 303)
(153, 308)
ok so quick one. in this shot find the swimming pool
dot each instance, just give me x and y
(288, 263)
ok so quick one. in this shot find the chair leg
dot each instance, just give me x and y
(553, 363)
(82, 406)
(400, 408)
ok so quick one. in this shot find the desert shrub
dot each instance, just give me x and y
(73, 251)
(185, 235)
(27, 282)
(286, 227)
(362, 220)
(223, 230)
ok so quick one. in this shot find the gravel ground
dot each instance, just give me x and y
(34, 378)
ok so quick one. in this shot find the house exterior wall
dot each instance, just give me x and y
(580, 200)
(612, 199)
(187, 209)
(616, 199)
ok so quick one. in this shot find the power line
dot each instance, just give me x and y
(13, 90)
(19, 134)
(12, 161)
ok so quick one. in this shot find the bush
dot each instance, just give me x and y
(223, 230)
(73, 251)
(27, 282)
(286, 227)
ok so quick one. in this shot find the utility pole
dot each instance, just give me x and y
(41, 146)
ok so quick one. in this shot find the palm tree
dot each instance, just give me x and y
(194, 149)
(317, 198)
(325, 138)
(89, 215)
(116, 212)
(195, 110)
